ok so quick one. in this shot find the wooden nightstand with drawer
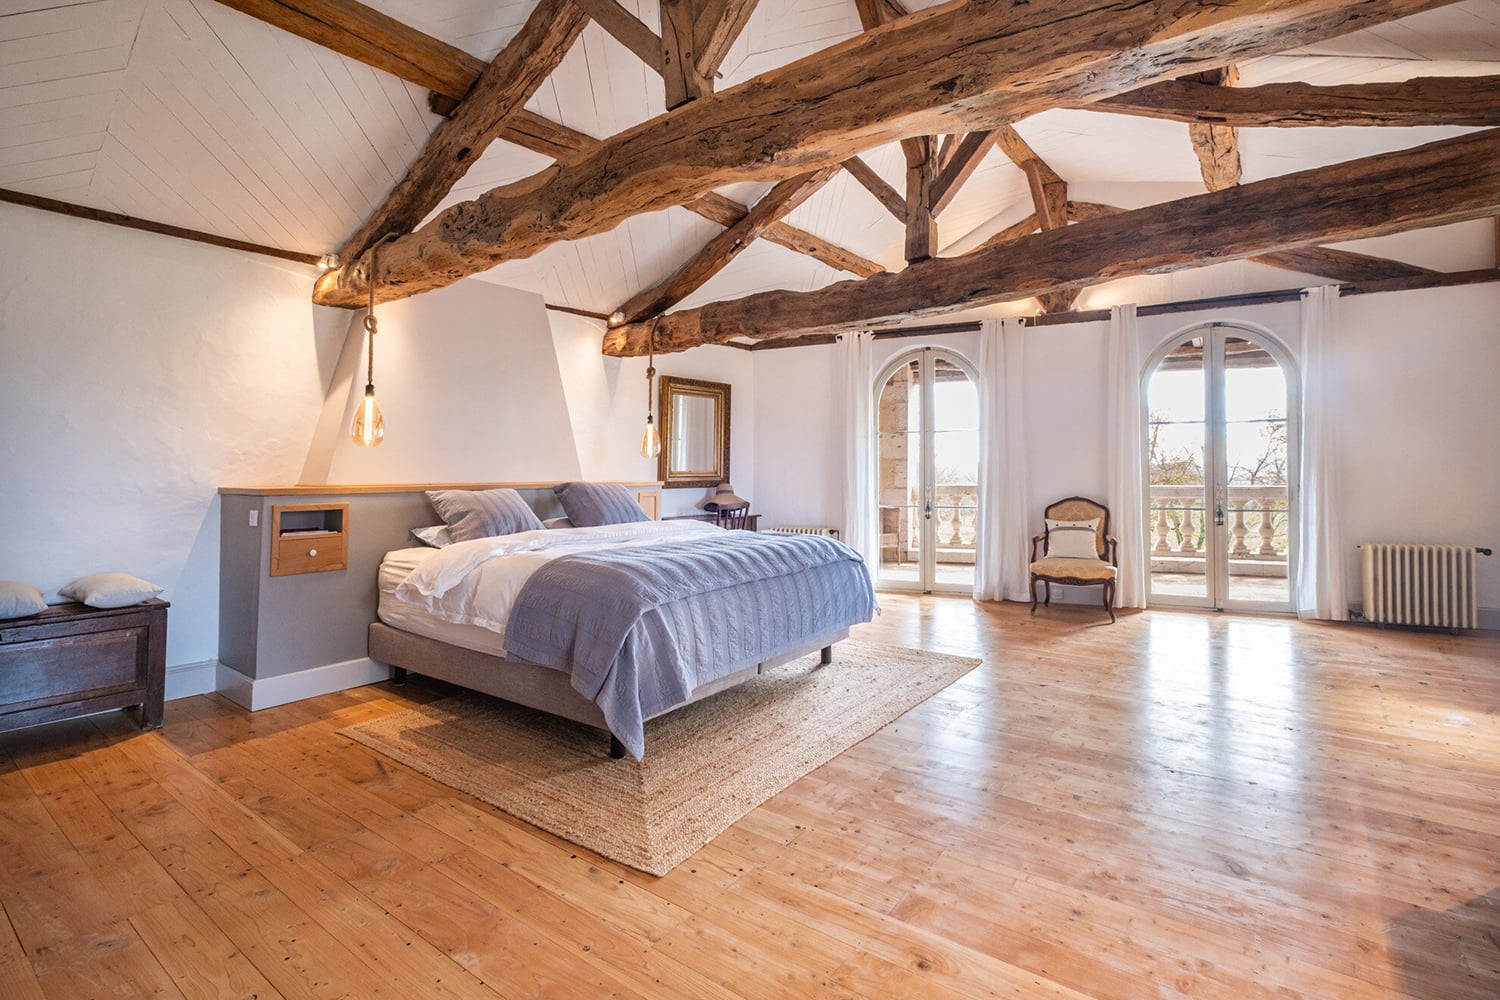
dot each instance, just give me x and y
(309, 538)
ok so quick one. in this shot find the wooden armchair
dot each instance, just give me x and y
(1077, 549)
(735, 518)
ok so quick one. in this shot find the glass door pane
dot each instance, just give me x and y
(899, 477)
(1256, 513)
(927, 476)
(955, 451)
(1177, 446)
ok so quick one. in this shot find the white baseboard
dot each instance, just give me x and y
(187, 679)
(268, 692)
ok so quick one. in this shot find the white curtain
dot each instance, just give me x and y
(1002, 568)
(1126, 446)
(861, 530)
(1322, 590)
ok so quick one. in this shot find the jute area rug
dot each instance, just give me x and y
(706, 764)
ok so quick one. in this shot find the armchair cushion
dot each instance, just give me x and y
(1064, 567)
(1073, 539)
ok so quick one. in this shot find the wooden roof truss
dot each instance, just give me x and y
(999, 63)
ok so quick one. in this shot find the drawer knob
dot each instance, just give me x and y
(312, 552)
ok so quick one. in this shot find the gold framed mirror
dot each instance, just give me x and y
(694, 433)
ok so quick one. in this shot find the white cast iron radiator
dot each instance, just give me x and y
(1419, 585)
(829, 532)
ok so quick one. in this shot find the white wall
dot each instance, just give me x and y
(138, 373)
(799, 443)
(468, 380)
(1419, 461)
(607, 401)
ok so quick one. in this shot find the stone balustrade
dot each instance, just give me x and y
(1257, 521)
(1175, 527)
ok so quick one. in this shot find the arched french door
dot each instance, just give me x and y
(1221, 436)
(927, 472)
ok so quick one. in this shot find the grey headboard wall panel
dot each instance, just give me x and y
(272, 626)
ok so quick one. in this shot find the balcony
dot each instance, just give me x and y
(1175, 532)
(957, 518)
(1257, 520)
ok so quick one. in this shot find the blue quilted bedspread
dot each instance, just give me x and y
(639, 629)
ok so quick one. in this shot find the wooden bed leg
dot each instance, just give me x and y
(616, 748)
(827, 655)
(398, 676)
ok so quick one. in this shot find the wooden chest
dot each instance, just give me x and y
(74, 660)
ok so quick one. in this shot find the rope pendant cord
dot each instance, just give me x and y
(370, 324)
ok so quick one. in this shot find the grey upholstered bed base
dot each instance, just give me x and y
(527, 684)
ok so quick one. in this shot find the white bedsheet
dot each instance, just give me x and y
(462, 593)
(397, 566)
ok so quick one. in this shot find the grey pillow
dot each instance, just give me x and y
(18, 600)
(109, 590)
(436, 536)
(589, 505)
(472, 514)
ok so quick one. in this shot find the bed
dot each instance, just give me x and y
(616, 624)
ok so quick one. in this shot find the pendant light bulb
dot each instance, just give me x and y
(369, 422)
(650, 437)
(650, 440)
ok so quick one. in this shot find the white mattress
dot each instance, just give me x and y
(408, 617)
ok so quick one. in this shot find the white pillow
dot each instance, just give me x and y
(1073, 539)
(437, 536)
(17, 600)
(109, 590)
(556, 522)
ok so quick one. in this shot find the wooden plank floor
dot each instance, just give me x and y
(1176, 805)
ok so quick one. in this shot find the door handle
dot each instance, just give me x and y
(1219, 514)
(927, 510)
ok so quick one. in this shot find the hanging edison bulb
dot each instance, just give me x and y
(369, 423)
(650, 439)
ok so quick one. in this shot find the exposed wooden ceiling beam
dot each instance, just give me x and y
(362, 33)
(1326, 262)
(1447, 100)
(921, 175)
(148, 226)
(719, 24)
(373, 38)
(1449, 181)
(627, 29)
(1341, 265)
(1082, 211)
(1001, 63)
(514, 75)
(1216, 146)
(679, 58)
(889, 198)
(1049, 196)
(961, 161)
(1011, 233)
(726, 212)
(543, 135)
(724, 247)
(1049, 192)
